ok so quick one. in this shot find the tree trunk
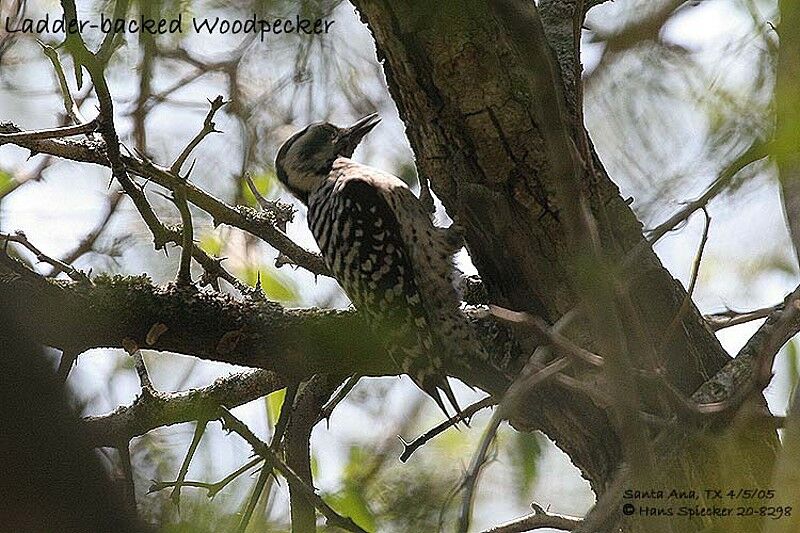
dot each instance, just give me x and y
(478, 87)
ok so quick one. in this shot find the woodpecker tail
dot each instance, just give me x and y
(437, 386)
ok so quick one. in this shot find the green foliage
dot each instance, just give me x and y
(416, 497)
(274, 405)
(264, 182)
(211, 243)
(350, 499)
(526, 450)
(6, 182)
(198, 516)
(277, 287)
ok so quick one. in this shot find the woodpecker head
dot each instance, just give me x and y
(305, 159)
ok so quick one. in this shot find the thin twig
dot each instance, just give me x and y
(562, 345)
(51, 133)
(70, 106)
(87, 243)
(260, 224)
(726, 319)
(758, 150)
(141, 370)
(258, 489)
(479, 457)
(199, 430)
(208, 128)
(20, 238)
(260, 447)
(687, 299)
(263, 202)
(327, 410)
(531, 377)
(539, 519)
(212, 488)
(410, 447)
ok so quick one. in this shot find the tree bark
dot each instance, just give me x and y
(474, 88)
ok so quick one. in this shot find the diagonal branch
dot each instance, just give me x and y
(758, 150)
(260, 447)
(20, 238)
(260, 224)
(410, 447)
(208, 128)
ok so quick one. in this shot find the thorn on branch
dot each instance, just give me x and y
(231, 423)
(199, 430)
(20, 238)
(410, 447)
(212, 488)
(208, 128)
(539, 519)
(282, 213)
(327, 409)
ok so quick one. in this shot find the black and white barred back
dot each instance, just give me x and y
(396, 267)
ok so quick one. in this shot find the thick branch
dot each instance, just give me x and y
(159, 409)
(295, 343)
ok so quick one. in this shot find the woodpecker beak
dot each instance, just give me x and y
(349, 138)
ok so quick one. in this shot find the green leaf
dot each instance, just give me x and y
(350, 502)
(274, 405)
(211, 244)
(265, 183)
(526, 450)
(6, 182)
(275, 285)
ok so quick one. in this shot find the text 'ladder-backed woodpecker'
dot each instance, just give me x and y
(378, 240)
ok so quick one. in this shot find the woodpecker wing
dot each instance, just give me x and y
(373, 257)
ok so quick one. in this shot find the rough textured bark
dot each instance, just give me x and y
(296, 344)
(475, 95)
(310, 399)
